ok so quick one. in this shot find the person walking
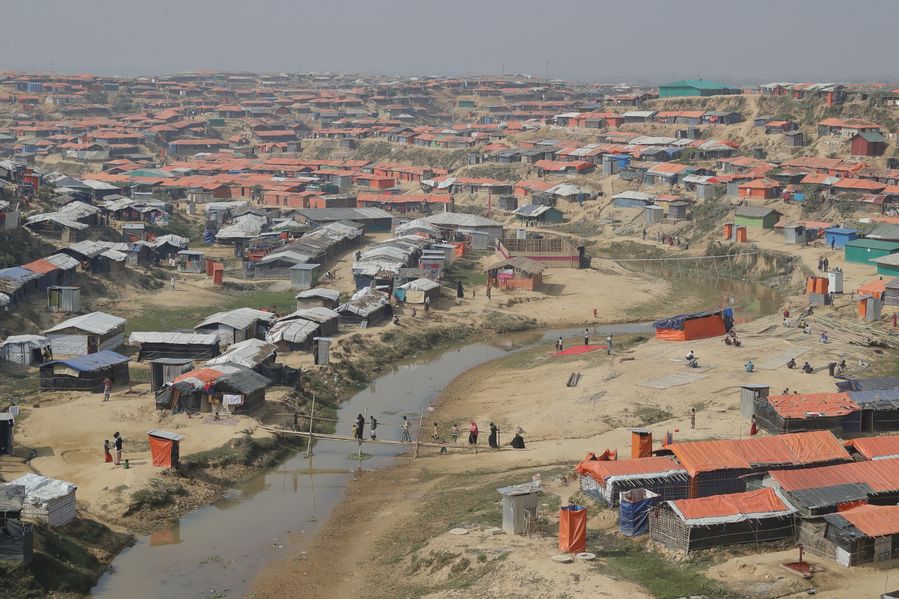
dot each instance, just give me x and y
(435, 434)
(173, 282)
(560, 345)
(473, 435)
(487, 291)
(407, 438)
(107, 388)
(455, 433)
(894, 320)
(107, 456)
(586, 337)
(644, 233)
(609, 345)
(360, 427)
(117, 444)
(374, 425)
(693, 418)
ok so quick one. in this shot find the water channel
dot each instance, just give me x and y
(217, 550)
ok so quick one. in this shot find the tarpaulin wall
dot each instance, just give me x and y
(161, 451)
(633, 514)
(572, 528)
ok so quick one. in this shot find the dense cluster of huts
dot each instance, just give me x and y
(838, 499)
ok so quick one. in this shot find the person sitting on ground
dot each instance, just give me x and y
(518, 440)
(749, 366)
(807, 329)
(807, 368)
(691, 356)
(693, 363)
(823, 338)
(791, 364)
(839, 371)
(727, 340)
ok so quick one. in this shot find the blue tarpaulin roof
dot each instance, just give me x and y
(91, 362)
(677, 322)
(17, 273)
(876, 383)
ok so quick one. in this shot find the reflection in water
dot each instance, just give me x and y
(223, 546)
(218, 549)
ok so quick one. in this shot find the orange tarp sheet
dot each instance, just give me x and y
(809, 405)
(641, 445)
(793, 448)
(601, 470)
(732, 504)
(695, 328)
(874, 520)
(161, 451)
(876, 447)
(881, 475)
(41, 266)
(874, 288)
(572, 529)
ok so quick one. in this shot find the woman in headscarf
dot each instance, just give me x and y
(473, 434)
(492, 439)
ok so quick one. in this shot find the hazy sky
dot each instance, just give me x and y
(597, 40)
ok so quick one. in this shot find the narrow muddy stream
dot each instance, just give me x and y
(217, 550)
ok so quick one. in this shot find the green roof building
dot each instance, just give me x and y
(863, 251)
(695, 87)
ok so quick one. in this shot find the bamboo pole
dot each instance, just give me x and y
(311, 416)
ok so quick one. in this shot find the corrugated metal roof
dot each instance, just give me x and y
(331, 294)
(459, 219)
(165, 435)
(91, 362)
(823, 497)
(249, 353)
(239, 319)
(95, 322)
(139, 337)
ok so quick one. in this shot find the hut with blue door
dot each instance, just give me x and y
(839, 236)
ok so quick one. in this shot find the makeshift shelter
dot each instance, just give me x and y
(862, 534)
(415, 292)
(885, 447)
(23, 349)
(319, 296)
(249, 354)
(835, 412)
(751, 517)
(815, 491)
(47, 499)
(224, 386)
(880, 409)
(7, 423)
(604, 481)
(84, 373)
(634, 510)
(191, 261)
(720, 466)
(63, 299)
(520, 506)
(293, 334)
(164, 448)
(304, 276)
(237, 325)
(163, 371)
(697, 325)
(516, 273)
(86, 334)
(366, 307)
(16, 537)
(192, 346)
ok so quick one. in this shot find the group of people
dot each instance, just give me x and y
(560, 343)
(359, 427)
(823, 263)
(473, 433)
(113, 452)
(731, 338)
(806, 367)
